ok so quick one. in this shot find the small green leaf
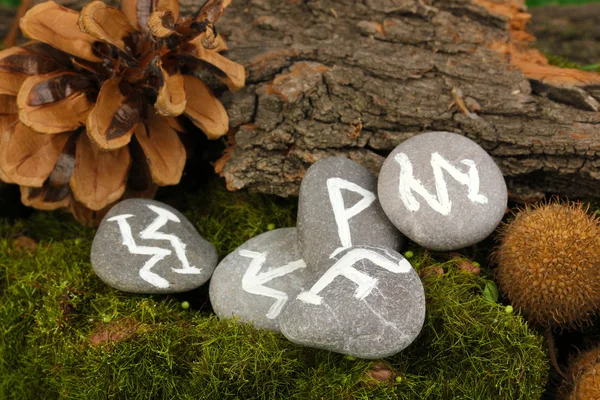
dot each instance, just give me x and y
(490, 293)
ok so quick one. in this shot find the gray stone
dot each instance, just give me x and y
(145, 246)
(369, 303)
(338, 208)
(442, 190)
(254, 282)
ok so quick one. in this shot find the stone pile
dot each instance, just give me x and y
(337, 281)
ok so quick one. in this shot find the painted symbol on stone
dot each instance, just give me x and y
(253, 281)
(157, 253)
(342, 215)
(344, 267)
(440, 202)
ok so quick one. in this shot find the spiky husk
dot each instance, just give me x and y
(548, 261)
(584, 381)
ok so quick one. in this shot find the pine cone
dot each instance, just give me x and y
(88, 109)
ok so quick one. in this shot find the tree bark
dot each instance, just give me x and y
(356, 78)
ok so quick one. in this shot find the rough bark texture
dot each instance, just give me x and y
(572, 32)
(356, 78)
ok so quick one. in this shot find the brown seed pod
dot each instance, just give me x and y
(548, 264)
(583, 381)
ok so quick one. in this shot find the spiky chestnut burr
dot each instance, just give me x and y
(548, 264)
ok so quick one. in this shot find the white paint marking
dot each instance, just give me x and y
(343, 267)
(440, 203)
(157, 253)
(151, 232)
(253, 281)
(342, 215)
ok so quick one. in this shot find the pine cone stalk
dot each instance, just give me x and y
(89, 108)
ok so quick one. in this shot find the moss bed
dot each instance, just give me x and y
(65, 334)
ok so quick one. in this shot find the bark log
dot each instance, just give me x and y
(356, 78)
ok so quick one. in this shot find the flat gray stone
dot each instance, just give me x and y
(254, 282)
(369, 303)
(442, 190)
(145, 246)
(338, 208)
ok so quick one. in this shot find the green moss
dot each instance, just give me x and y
(228, 219)
(563, 62)
(474, 348)
(65, 334)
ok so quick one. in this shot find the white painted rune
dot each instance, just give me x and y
(342, 215)
(157, 253)
(253, 281)
(440, 201)
(344, 267)
(151, 232)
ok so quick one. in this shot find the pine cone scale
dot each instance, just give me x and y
(139, 183)
(115, 116)
(171, 99)
(205, 110)
(107, 24)
(57, 86)
(65, 113)
(25, 63)
(163, 149)
(55, 192)
(230, 73)
(161, 26)
(12, 72)
(138, 12)
(27, 157)
(8, 111)
(167, 6)
(125, 118)
(211, 11)
(46, 197)
(57, 26)
(99, 177)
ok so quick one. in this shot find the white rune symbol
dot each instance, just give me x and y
(157, 253)
(252, 281)
(440, 201)
(344, 267)
(342, 215)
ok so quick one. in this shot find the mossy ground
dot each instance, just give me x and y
(65, 334)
